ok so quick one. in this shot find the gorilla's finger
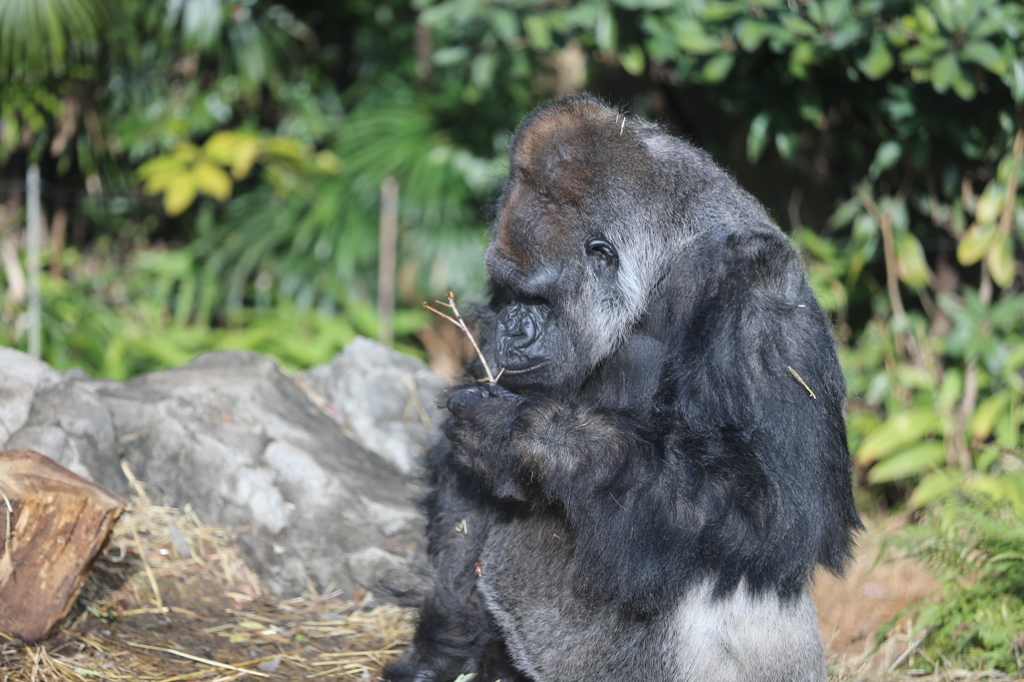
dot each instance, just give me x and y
(461, 400)
(499, 391)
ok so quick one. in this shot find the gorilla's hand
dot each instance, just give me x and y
(478, 413)
(541, 450)
(482, 420)
(461, 403)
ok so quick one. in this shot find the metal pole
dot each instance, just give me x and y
(387, 260)
(34, 243)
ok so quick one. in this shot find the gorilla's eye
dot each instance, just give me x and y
(603, 251)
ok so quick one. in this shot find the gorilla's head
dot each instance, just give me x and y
(577, 248)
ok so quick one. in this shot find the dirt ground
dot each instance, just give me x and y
(158, 610)
(875, 590)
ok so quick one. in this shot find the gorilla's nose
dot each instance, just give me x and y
(520, 326)
(519, 322)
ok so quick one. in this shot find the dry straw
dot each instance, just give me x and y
(173, 600)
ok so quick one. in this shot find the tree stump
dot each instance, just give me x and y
(53, 525)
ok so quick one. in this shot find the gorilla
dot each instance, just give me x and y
(646, 491)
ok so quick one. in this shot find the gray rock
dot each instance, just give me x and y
(387, 401)
(69, 423)
(20, 376)
(236, 438)
(233, 436)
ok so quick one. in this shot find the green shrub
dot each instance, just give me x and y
(974, 542)
(117, 320)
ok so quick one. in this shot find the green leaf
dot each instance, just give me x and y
(38, 36)
(800, 58)
(1007, 163)
(987, 457)
(899, 216)
(974, 244)
(757, 136)
(721, 11)
(693, 40)
(985, 53)
(212, 180)
(952, 388)
(925, 19)
(865, 226)
(878, 61)
(917, 55)
(632, 60)
(886, 156)
(785, 144)
(606, 32)
(1001, 263)
(718, 67)
(179, 194)
(505, 24)
(845, 213)
(751, 34)
(911, 263)
(944, 71)
(538, 32)
(964, 87)
(245, 157)
(643, 4)
(897, 432)
(794, 23)
(482, 68)
(224, 146)
(1015, 79)
(158, 170)
(987, 414)
(932, 487)
(913, 461)
(990, 203)
(450, 56)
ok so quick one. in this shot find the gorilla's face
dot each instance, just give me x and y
(573, 256)
(553, 322)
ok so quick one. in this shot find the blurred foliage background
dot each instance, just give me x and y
(212, 171)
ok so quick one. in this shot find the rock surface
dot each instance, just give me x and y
(311, 480)
(387, 401)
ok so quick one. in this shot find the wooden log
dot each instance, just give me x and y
(53, 526)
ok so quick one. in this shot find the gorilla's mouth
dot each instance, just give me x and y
(522, 370)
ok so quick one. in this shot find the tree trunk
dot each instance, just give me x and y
(53, 525)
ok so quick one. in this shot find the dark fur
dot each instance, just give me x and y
(665, 447)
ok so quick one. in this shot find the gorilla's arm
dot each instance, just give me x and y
(455, 633)
(538, 450)
(622, 499)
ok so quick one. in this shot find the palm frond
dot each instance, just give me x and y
(42, 38)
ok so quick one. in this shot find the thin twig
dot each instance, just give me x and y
(909, 651)
(145, 563)
(8, 560)
(904, 340)
(461, 324)
(1010, 200)
(200, 659)
(802, 382)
